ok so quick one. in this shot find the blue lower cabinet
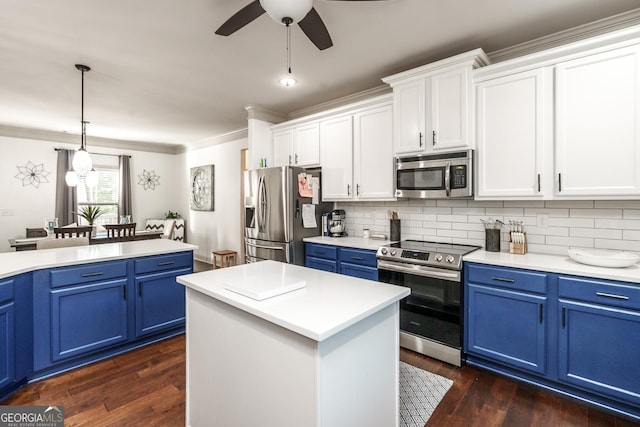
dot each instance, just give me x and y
(321, 264)
(507, 326)
(87, 318)
(160, 302)
(7, 344)
(599, 349)
(360, 271)
(354, 262)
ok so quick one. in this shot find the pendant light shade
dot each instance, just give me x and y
(82, 163)
(71, 178)
(92, 178)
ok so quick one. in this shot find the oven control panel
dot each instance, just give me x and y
(434, 259)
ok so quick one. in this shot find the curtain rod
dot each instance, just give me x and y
(98, 154)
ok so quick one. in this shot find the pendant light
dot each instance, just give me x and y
(288, 80)
(82, 163)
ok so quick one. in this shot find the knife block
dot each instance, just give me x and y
(519, 248)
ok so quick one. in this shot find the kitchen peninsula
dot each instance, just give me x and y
(66, 307)
(270, 343)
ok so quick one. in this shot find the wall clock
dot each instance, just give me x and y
(202, 188)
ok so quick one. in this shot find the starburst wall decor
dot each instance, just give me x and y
(32, 174)
(149, 179)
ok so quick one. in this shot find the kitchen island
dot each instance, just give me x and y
(324, 351)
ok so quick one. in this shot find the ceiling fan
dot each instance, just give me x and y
(286, 12)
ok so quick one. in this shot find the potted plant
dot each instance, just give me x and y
(171, 215)
(90, 213)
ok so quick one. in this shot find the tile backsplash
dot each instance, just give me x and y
(552, 226)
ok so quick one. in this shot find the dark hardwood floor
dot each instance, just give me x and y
(146, 387)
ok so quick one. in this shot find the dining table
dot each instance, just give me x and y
(30, 243)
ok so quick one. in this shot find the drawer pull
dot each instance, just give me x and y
(166, 263)
(414, 323)
(321, 252)
(97, 273)
(502, 279)
(357, 258)
(614, 296)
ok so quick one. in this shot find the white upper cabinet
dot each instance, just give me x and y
(513, 125)
(336, 136)
(597, 122)
(433, 105)
(373, 153)
(297, 146)
(357, 153)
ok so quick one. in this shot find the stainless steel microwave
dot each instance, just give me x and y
(435, 176)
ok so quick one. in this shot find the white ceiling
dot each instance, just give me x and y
(159, 74)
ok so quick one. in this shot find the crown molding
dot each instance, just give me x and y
(261, 113)
(575, 34)
(215, 140)
(68, 138)
(339, 102)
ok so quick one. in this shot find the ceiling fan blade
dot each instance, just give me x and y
(315, 29)
(244, 16)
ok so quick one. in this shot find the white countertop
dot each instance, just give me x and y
(554, 264)
(326, 305)
(348, 241)
(12, 263)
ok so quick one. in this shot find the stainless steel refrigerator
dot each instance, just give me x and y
(274, 209)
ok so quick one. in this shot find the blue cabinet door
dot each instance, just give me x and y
(360, 271)
(321, 264)
(599, 348)
(86, 318)
(7, 345)
(160, 302)
(507, 326)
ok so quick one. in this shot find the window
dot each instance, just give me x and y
(105, 194)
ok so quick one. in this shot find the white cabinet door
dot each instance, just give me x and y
(306, 145)
(409, 117)
(336, 142)
(512, 128)
(598, 125)
(282, 147)
(449, 109)
(373, 153)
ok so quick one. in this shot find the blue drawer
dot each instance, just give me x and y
(359, 256)
(510, 278)
(87, 273)
(6, 290)
(154, 264)
(321, 264)
(321, 251)
(600, 291)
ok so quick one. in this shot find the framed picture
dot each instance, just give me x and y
(202, 188)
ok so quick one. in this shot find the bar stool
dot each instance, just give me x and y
(227, 258)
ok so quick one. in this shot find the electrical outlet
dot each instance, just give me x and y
(7, 212)
(542, 220)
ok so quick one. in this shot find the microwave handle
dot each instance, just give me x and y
(447, 179)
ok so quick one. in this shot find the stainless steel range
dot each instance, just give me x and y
(431, 317)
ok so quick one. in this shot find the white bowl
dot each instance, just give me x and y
(603, 257)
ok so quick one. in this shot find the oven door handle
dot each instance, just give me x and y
(420, 270)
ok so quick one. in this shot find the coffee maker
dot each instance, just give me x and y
(337, 223)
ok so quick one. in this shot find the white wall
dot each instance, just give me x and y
(27, 206)
(219, 229)
(575, 224)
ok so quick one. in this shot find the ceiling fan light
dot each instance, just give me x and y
(294, 9)
(288, 81)
(71, 178)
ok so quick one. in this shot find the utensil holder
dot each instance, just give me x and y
(519, 248)
(394, 230)
(492, 240)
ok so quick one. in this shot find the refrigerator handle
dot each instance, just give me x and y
(262, 204)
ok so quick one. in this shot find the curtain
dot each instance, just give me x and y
(124, 206)
(66, 197)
